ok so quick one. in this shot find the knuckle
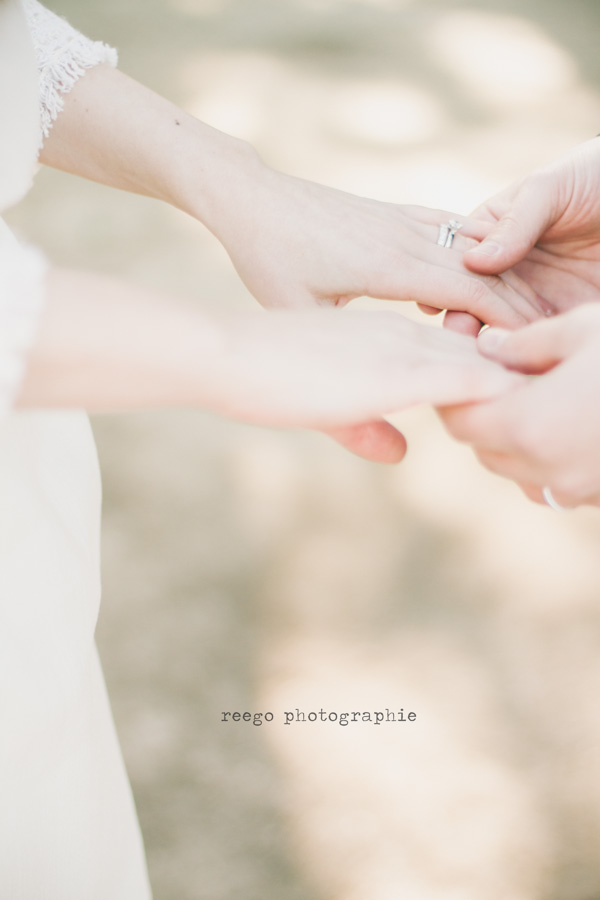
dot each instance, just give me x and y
(510, 222)
(478, 298)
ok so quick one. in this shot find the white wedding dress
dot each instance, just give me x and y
(68, 827)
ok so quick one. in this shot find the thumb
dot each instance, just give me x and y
(533, 349)
(377, 441)
(529, 215)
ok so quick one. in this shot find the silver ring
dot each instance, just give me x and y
(551, 502)
(447, 233)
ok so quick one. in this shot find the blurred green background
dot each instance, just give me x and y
(248, 569)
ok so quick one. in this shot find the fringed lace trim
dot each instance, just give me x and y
(63, 55)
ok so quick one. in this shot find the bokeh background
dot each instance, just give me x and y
(248, 569)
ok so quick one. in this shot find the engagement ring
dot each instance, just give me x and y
(447, 233)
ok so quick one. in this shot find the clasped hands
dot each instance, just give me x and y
(546, 432)
(527, 262)
(535, 252)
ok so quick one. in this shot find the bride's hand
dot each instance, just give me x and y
(322, 369)
(296, 244)
(104, 345)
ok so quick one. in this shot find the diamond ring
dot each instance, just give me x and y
(447, 233)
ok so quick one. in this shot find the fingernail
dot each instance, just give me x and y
(547, 308)
(487, 248)
(491, 339)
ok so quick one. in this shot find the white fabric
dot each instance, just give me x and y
(21, 297)
(63, 54)
(20, 132)
(68, 828)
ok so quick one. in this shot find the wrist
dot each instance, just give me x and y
(213, 175)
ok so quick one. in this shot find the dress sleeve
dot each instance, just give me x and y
(63, 55)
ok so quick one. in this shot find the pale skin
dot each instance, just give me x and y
(546, 228)
(107, 346)
(298, 246)
(547, 433)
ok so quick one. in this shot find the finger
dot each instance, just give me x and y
(529, 479)
(536, 348)
(529, 215)
(540, 308)
(454, 380)
(533, 492)
(376, 441)
(508, 301)
(462, 323)
(511, 466)
(558, 289)
(429, 310)
(485, 425)
(441, 281)
(435, 276)
(472, 226)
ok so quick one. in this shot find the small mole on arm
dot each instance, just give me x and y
(177, 122)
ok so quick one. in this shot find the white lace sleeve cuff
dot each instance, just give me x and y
(22, 293)
(63, 55)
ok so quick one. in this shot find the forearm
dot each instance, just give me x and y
(115, 131)
(294, 243)
(107, 346)
(104, 345)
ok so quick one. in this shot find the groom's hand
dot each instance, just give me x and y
(546, 431)
(546, 228)
(557, 206)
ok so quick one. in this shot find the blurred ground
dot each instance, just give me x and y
(263, 571)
